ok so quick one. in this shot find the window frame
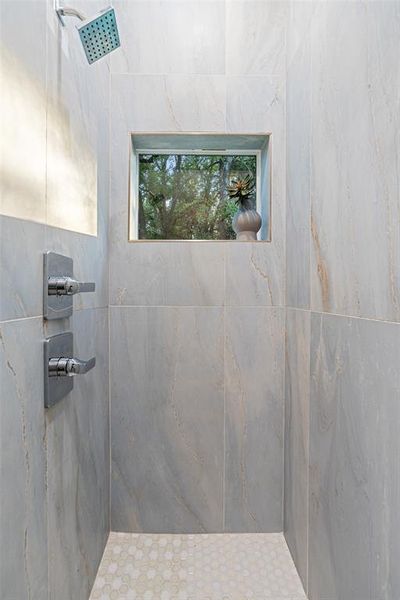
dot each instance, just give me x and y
(133, 203)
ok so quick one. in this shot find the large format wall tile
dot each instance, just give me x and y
(167, 103)
(254, 358)
(79, 465)
(23, 109)
(145, 272)
(253, 275)
(172, 274)
(299, 15)
(355, 168)
(298, 158)
(354, 459)
(255, 40)
(21, 268)
(170, 37)
(78, 155)
(256, 105)
(23, 523)
(77, 129)
(167, 419)
(297, 394)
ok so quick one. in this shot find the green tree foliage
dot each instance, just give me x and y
(185, 197)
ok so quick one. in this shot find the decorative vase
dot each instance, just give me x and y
(246, 223)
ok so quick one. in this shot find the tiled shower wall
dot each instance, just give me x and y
(342, 479)
(197, 328)
(54, 513)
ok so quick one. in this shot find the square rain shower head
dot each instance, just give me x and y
(99, 35)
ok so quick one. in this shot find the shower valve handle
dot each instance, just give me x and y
(66, 286)
(63, 367)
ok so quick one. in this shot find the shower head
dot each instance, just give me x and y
(99, 34)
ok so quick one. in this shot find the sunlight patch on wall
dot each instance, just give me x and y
(22, 143)
(71, 175)
(48, 171)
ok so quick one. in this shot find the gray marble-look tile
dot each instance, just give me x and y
(23, 110)
(169, 273)
(167, 103)
(298, 159)
(354, 459)
(256, 104)
(355, 266)
(255, 37)
(299, 15)
(77, 130)
(23, 513)
(167, 419)
(297, 399)
(190, 37)
(155, 103)
(254, 412)
(79, 466)
(146, 273)
(81, 94)
(253, 275)
(21, 268)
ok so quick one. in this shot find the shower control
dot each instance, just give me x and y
(63, 367)
(60, 367)
(66, 286)
(59, 285)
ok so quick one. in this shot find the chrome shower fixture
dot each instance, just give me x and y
(99, 34)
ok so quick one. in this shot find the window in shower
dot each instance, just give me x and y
(179, 184)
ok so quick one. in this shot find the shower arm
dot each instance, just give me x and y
(67, 11)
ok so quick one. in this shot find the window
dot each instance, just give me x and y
(180, 191)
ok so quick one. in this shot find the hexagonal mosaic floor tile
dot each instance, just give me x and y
(197, 567)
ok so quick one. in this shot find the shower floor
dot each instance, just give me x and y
(197, 567)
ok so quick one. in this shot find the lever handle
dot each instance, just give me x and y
(66, 286)
(63, 367)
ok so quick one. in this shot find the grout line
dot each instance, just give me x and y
(284, 421)
(221, 74)
(307, 515)
(332, 314)
(308, 48)
(108, 294)
(21, 319)
(224, 404)
(253, 306)
(238, 306)
(205, 306)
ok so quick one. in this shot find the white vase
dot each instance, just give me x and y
(246, 223)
